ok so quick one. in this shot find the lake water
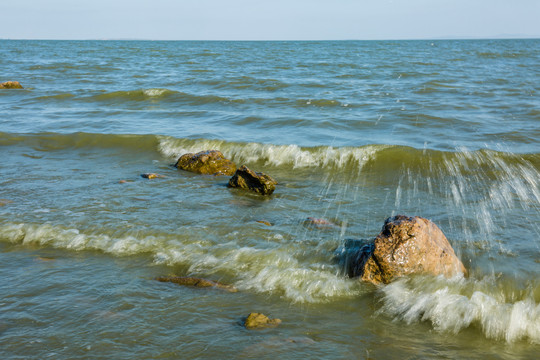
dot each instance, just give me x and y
(353, 131)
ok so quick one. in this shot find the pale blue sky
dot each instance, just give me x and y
(268, 19)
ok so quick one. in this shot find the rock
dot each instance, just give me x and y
(11, 85)
(151, 176)
(264, 222)
(319, 222)
(260, 183)
(259, 321)
(210, 162)
(4, 202)
(196, 282)
(406, 245)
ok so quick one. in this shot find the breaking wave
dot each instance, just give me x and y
(499, 310)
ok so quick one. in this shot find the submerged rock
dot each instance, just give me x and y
(210, 162)
(258, 182)
(196, 282)
(11, 85)
(4, 202)
(406, 245)
(319, 222)
(260, 321)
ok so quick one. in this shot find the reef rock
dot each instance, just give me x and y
(406, 245)
(259, 182)
(11, 85)
(196, 282)
(259, 321)
(210, 162)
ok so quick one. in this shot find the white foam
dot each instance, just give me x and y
(274, 155)
(269, 270)
(448, 307)
(154, 92)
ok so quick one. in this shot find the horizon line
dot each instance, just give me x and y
(498, 37)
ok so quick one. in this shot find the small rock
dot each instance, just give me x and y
(44, 258)
(196, 282)
(11, 85)
(260, 183)
(259, 321)
(264, 222)
(210, 162)
(4, 202)
(151, 176)
(319, 222)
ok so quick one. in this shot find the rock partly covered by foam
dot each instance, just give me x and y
(260, 321)
(11, 85)
(406, 245)
(210, 162)
(196, 282)
(258, 182)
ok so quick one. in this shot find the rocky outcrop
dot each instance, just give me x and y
(260, 321)
(11, 85)
(210, 162)
(196, 282)
(259, 182)
(406, 245)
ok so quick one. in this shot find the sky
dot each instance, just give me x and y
(268, 19)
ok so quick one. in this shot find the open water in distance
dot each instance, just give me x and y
(353, 131)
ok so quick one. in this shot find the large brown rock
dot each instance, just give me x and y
(11, 85)
(210, 162)
(406, 245)
(259, 182)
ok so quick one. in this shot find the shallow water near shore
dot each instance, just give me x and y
(354, 132)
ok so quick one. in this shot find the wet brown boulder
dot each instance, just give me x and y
(11, 85)
(260, 321)
(210, 162)
(196, 282)
(258, 182)
(406, 245)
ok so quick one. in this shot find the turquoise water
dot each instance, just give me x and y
(353, 131)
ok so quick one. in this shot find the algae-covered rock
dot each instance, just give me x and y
(210, 162)
(259, 182)
(408, 245)
(260, 321)
(151, 176)
(11, 85)
(196, 282)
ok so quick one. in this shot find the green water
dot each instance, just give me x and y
(354, 132)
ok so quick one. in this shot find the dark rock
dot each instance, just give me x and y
(211, 162)
(353, 255)
(406, 245)
(259, 182)
(260, 321)
(11, 85)
(196, 282)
